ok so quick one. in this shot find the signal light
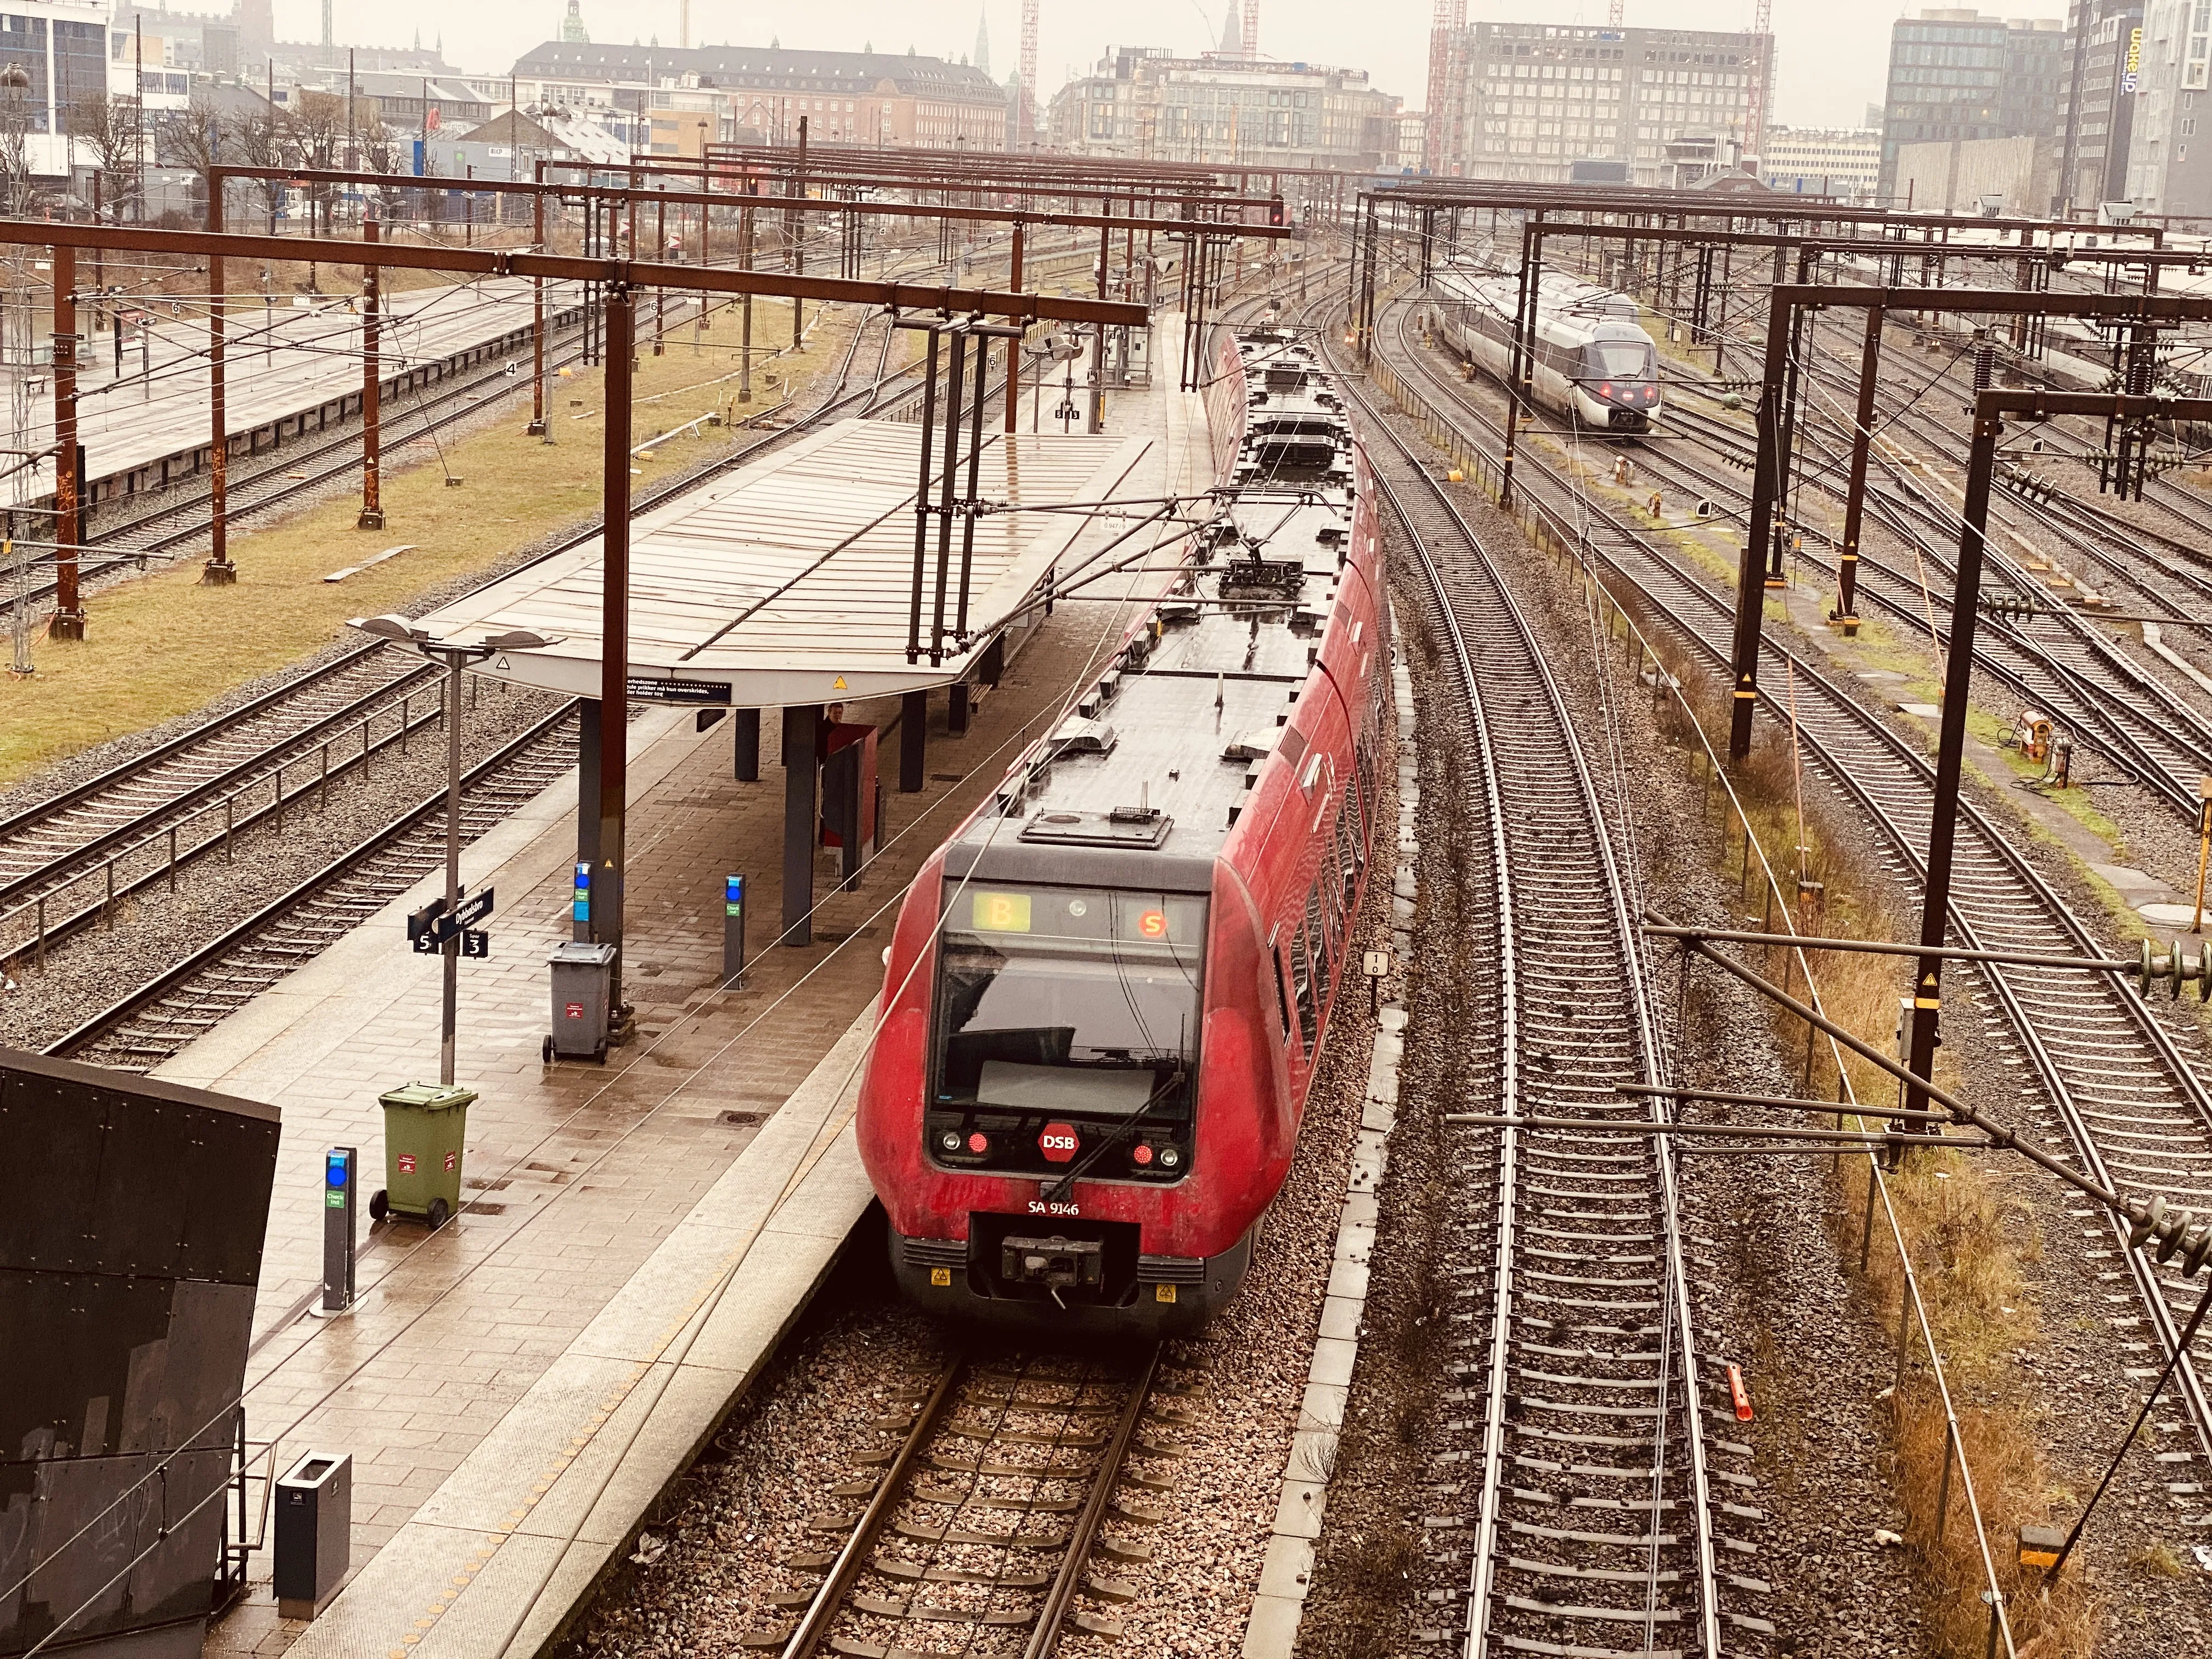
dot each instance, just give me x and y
(979, 1143)
(1140, 1154)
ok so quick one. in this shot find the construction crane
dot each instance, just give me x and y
(1614, 14)
(1025, 132)
(1762, 71)
(1447, 97)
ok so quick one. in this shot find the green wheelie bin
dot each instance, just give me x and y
(424, 1125)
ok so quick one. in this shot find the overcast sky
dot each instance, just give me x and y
(1832, 56)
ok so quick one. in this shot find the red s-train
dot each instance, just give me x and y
(1107, 991)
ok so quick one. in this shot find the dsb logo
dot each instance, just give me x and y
(1059, 1142)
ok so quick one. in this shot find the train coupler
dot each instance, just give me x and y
(1057, 1263)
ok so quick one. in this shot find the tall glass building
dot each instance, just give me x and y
(1963, 75)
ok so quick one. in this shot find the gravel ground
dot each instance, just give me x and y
(1770, 1296)
(86, 971)
(706, 1579)
(157, 928)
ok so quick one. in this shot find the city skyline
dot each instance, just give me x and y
(1830, 61)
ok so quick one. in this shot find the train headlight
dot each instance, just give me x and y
(949, 1141)
(1171, 1159)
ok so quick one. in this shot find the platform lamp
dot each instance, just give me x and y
(455, 656)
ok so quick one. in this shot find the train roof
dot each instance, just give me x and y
(1557, 293)
(1144, 778)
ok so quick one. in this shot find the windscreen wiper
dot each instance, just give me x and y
(1066, 1184)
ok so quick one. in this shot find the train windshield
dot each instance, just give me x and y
(1069, 1000)
(1616, 360)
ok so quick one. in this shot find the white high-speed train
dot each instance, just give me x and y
(1594, 364)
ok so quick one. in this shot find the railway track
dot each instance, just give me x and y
(180, 518)
(66, 860)
(1589, 1469)
(2047, 656)
(993, 1509)
(128, 830)
(158, 1019)
(2108, 1085)
(2051, 656)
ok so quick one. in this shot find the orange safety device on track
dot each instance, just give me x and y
(1739, 1394)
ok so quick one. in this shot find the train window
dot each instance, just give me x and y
(1347, 855)
(1618, 360)
(1069, 1001)
(1302, 981)
(1317, 930)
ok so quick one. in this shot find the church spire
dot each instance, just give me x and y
(983, 41)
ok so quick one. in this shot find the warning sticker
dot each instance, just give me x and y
(574, 1010)
(407, 1164)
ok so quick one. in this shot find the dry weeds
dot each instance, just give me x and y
(1967, 1240)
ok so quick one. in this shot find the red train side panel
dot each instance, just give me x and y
(1106, 993)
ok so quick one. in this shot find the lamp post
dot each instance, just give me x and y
(15, 92)
(455, 656)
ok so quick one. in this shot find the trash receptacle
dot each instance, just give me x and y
(314, 1533)
(424, 1125)
(583, 978)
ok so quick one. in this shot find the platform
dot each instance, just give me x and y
(281, 361)
(516, 1388)
(792, 580)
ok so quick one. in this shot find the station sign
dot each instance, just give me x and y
(430, 928)
(653, 690)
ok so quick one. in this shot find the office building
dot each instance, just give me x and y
(2169, 162)
(1964, 75)
(759, 92)
(2104, 47)
(1541, 97)
(1143, 104)
(1844, 162)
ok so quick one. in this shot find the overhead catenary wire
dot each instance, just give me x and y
(676, 1091)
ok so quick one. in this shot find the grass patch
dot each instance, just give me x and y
(163, 645)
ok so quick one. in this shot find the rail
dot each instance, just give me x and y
(1549, 529)
(1678, 1326)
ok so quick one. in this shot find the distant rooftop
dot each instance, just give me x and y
(843, 73)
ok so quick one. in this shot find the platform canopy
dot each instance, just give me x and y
(789, 581)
